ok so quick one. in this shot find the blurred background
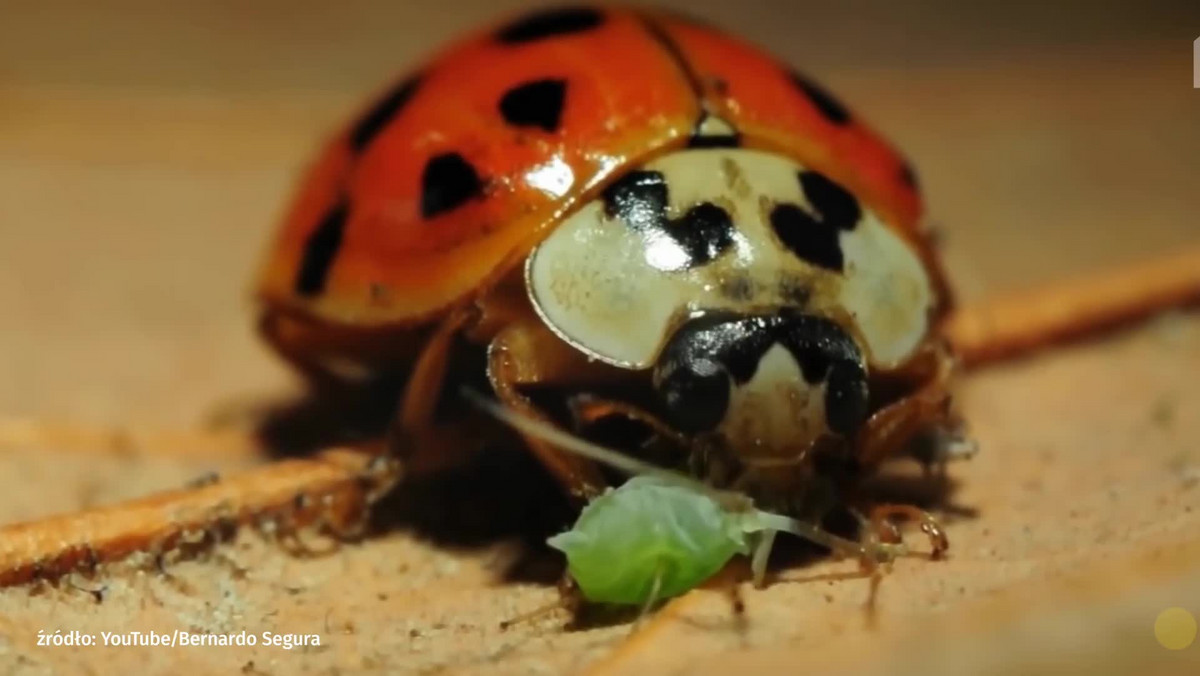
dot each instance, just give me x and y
(147, 150)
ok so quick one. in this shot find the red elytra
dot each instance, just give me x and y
(434, 193)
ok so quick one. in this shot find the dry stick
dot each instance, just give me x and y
(1020, 323)
(55, 546)
(333, 482)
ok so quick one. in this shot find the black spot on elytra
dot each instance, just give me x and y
(535, 104)
(830, 108)
(320, 250)
(700, 235)
(367, 128)
(448, 182)
(550, 23)
(815, 238)
(909, 176)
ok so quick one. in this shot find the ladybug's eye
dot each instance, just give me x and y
(769, 385)
(846, 398)
(695, 396)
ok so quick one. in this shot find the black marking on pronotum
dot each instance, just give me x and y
(830, 108)
(373, 122)
(639, 198)
(704, 232)
(447, 182)
(816, 238)
(806, 237)
(720, 348)
(535, 104)
(701, 235)
(320, 250)
(550, 23)
(837, 207)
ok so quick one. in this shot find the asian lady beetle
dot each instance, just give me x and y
(625, 203)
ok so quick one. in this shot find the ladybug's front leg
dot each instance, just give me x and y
(527, 353)
(892, 429)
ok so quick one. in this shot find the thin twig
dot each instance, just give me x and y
(55, 546)
(1020, 323)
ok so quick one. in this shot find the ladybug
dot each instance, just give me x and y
(624, 214)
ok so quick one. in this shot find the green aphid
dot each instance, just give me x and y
(663, 533)
(650, 539)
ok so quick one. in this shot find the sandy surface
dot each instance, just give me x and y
(145, 154)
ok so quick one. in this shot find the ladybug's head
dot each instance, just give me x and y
(766, 387)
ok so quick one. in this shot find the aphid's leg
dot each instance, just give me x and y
(737, 601)
(570, 599)
(737, 604)
(870, 554)
(760, 556)
(651, 598)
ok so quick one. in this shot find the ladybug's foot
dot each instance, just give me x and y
(885, 531)
(380, 476)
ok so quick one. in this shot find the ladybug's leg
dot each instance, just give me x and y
(881, 516)
(588, 409)
(892, 429)
(521, 352)
(527, 353)
(422, 444)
